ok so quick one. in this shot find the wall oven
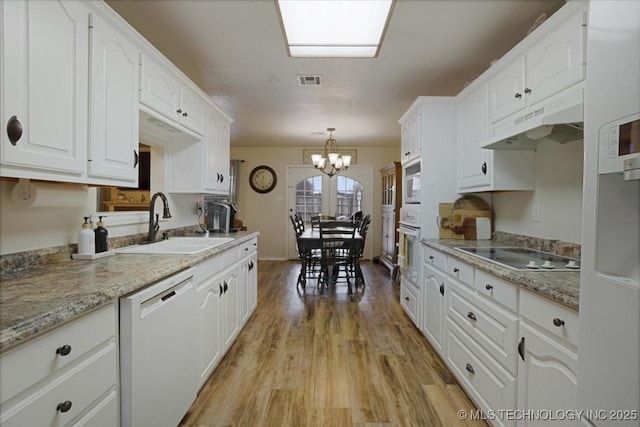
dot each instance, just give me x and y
(409, 246)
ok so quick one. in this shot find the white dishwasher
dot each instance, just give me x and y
(158, 375)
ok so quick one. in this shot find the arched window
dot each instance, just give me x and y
(348, 196)
(309, 197)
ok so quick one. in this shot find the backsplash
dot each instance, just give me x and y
(20, 261)
(554, 246)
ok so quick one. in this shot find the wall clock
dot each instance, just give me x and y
(263, 179)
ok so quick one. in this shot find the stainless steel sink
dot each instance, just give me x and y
(177, 246)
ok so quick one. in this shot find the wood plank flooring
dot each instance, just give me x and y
(305, 359)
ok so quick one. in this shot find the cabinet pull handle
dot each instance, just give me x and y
(221, 291)
(64, 350)
(472, 316)
(521, 348)
(136, 158)
(527, 90)
(470, 368)
(64, 406)
(226, 287)
(456, 270)
(221, 178)
(442, 289)
(558, 322)
(483, 168)
(179, 111)
(488, 286)
(14, 130)
(518, 95)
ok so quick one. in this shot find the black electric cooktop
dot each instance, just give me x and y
(524, 259)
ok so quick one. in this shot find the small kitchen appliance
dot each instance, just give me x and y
(221, 215)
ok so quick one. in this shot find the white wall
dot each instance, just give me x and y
(268, 214)
(558, 193)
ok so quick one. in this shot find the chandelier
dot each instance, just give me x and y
(332, 162)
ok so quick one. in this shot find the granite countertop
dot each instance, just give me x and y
(38, 299)
(560, 286)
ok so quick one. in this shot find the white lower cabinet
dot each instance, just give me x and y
(491, 387)
(227, 296)
(513, 351)
(433, 291)
(68, 376)
(547, 360)
(410, 300)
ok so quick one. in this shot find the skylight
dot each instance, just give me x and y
(334, 28)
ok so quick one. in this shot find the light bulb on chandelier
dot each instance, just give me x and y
(332, 162)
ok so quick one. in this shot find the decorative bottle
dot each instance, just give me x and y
(101, 234)
(86, 239)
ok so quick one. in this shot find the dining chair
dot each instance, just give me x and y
(363, 227)
(336, 252)
(309, 258)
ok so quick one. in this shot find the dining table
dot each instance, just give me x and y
(310, 241)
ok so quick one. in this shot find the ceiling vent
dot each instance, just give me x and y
(308, 80)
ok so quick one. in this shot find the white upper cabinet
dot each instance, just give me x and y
(44, 89)
(114, 69)
(410, 134)
(552, 64)
(165, 95)
(480, 169)
(217, 154)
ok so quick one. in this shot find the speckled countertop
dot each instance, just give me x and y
(45, 296)
(560, 286)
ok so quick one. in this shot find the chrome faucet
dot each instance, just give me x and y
(153, 225)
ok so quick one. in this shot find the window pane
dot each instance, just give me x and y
(309, 197)
(349, 196)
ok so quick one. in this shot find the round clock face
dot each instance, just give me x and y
(263, 179)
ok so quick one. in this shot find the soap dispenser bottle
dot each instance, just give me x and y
(86, 239)
(101, 234)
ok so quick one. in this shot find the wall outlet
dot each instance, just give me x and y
(536, 212)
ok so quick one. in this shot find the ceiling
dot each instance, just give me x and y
(234, 50)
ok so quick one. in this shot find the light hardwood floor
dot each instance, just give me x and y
(305, 359)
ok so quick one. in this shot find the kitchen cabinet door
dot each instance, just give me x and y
(230, 306)
(160, 89)
(547, 378)
(45, 87)
(113, 143)
(248, 287)
(210, 319)
(434, 306)
(217, 156)
(474, 164)
(557, 61)
(192, 114)
(506, 90)
(410, 136)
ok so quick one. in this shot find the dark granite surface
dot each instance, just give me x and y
(560, 286)
(49, 294)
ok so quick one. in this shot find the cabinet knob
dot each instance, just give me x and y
(14, 130)
(64, 350)
(558, 322)
(456, 270)
(184, 114)
(518, 95)
(179, 111)
(483, 168)
(406, 298)
(527, 90)
(64, 406)
(430, 256)
(472, 316)
(469, 368)
(488, 286)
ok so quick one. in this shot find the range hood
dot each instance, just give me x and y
(560, 121)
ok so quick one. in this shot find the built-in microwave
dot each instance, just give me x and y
(411, 174)
(619, 142)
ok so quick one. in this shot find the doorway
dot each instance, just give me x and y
(310, 192)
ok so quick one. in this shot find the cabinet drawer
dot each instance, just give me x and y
(484, 380)
(38, 358)
(230, 256)
(435, 258)
(248, 248)
(461, 271)
(496, 289)
(559, 321)
(492, 327)
(409, 300)
(104, 413)
(81, 386)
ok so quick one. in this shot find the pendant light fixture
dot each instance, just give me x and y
(332, 162)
